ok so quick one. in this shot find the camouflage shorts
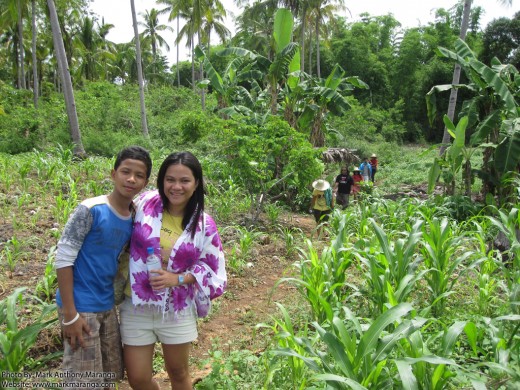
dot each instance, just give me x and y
(101, 360)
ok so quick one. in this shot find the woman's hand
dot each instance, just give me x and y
(161, 279)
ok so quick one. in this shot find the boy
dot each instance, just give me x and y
(86, 264)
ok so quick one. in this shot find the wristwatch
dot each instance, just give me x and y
(181, 280)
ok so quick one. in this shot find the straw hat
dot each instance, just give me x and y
(373, 155)
(321, 185)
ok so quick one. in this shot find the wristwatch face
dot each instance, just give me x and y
(181, 279)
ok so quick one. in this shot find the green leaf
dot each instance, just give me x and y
(283, 28)
(450, 337)
(370, 338)
(484, 129)
(336, 378)
(507, 154)
(433, 174)
(408, 380)
(499, 86)
(471, 333)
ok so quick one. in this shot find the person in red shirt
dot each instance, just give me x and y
(373, 163)
(356, 176)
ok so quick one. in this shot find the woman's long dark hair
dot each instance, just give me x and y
(195, 206)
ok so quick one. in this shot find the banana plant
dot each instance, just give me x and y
(493, 110)
(227, 85)
(451, 162)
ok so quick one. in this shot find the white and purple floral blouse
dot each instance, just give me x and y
(201, 256)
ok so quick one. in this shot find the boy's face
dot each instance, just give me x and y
(130, 177)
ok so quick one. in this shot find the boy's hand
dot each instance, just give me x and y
(74, 333)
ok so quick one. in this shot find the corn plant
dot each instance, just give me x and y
(66, 203)
(15, 340)
(12, 253)
(392, 268)
(6, 177)
(351, 355)
(420, 368)
(234, 263)
(442, 248)
(285, 335)
(509, 225)
(47, 284)
(290, 238)
(246, 240)
(273, 211)
(323, 279)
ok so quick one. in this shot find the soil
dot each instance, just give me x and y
(249, 299)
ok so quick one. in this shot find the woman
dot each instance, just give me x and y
(322, 203)
(164, 304)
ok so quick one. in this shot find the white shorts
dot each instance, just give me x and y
(144, 326)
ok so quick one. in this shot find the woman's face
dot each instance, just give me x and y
(179, 186)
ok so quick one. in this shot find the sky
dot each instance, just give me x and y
(410, 13)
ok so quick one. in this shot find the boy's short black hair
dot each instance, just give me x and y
(135, 153)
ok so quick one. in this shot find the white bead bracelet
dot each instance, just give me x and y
(71, 321)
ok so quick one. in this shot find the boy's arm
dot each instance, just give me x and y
(73, 333)
(70, 243)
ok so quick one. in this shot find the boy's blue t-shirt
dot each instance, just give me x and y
(99, 234)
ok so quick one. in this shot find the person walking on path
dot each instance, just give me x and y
(356, 178)
(366, 169)
(322, 202)
(373, 164)
(343, 187)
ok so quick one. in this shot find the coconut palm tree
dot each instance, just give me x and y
(152, 30)
(322, 10)
(34, 59)
(12, 13)
(66, 81)
(140, 79)
(175, 10)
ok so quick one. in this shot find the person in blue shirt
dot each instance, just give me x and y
(86, 265)
(366, 169)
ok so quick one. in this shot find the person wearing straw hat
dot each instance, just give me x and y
(373, 163)
(322, 202)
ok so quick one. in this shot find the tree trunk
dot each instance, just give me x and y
(192, 65)
(21, 69)
(318, 71)
(302, 51)
(34, 59)
(467, 177)
(66, 81)
(201, 77)
(310, 51)
(446, 139)
(317, 138)
(140, 78)
(178, 72)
